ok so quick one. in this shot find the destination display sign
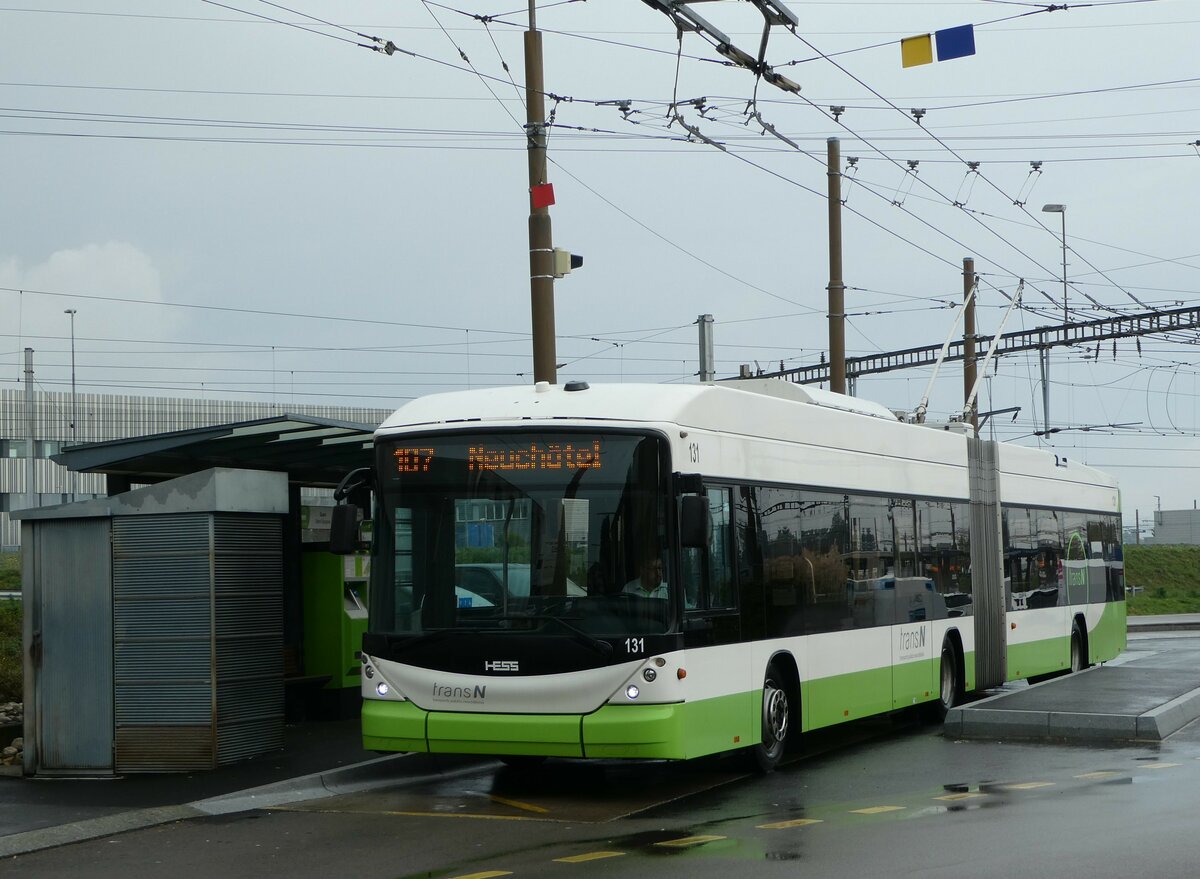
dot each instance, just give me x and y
(576, 454)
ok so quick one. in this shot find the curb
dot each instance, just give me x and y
(93, 828)
(1163, 627)
(974, 721)
(1171, 717)
(380, 772)
(1171, 622)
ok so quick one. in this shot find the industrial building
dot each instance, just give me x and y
(1175, 527)
(103, 418)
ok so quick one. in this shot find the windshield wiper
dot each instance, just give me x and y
(577, 635)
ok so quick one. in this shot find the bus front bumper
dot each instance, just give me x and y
(613, 731)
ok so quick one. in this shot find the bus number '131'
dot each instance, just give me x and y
(635, 645)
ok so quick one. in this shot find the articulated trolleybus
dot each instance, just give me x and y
(658, 571)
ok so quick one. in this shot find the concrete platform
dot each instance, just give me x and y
(1143, 697)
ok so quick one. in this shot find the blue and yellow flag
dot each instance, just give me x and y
(952, 42)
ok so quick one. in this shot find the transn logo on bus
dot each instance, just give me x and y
(445, 693)
(912, 643)
(502, 665)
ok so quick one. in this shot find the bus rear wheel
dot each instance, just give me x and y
(1078, 651)
(776, 722)
(950, 686)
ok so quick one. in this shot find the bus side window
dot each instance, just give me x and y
(720, 567)
(691, 570)
(708, 572)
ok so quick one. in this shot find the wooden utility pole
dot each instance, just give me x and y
(541, 245)
(837, 288)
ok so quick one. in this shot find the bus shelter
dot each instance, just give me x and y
(208, 589)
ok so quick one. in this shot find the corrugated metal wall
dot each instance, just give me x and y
(163, 642)
(248, 597)
(198, 639)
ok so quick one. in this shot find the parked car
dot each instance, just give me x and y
(487, 579)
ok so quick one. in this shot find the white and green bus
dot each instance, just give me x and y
(659, 571)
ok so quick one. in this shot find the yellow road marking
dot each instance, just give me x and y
(490, 874)
(876, 810)
(1157, 765)
(517, 804)
(1028, 785)
(590, 856)
(463, 815)
(783, 825)
(1103, 773)
(962, 796)
(688, 840)
(415, 814)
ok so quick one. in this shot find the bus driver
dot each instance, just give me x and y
(649, 581)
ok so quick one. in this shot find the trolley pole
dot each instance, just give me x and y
(541, 246)
(837, 288)
(969, 340)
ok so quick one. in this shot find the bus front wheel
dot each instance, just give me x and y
(776, 722)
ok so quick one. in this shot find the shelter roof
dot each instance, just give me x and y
(312, 451)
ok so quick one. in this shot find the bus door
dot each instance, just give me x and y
(712, 627)
(912, 607)
(1076, 568)
(877, 558)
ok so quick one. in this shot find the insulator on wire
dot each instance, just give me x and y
(1035, 172)
(967, 186)
(906, 185)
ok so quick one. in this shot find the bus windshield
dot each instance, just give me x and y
(557, 532)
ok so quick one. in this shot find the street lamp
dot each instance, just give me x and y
(1061, 210)
(74, 413)
(71, 312)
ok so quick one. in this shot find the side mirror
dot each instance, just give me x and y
(343, 530)
(344, 526)
(695, 521)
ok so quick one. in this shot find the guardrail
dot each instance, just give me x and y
(10, 596)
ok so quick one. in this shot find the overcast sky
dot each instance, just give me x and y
(258, 209)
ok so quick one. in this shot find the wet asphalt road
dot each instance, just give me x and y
(884, 798)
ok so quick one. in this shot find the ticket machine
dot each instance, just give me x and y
(335, 617)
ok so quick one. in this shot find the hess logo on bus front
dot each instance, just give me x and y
(501, 665)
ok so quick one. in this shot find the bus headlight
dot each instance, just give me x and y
(649, 675)
(632, 691)
(382, 689)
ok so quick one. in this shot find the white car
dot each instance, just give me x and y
(487, 579)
